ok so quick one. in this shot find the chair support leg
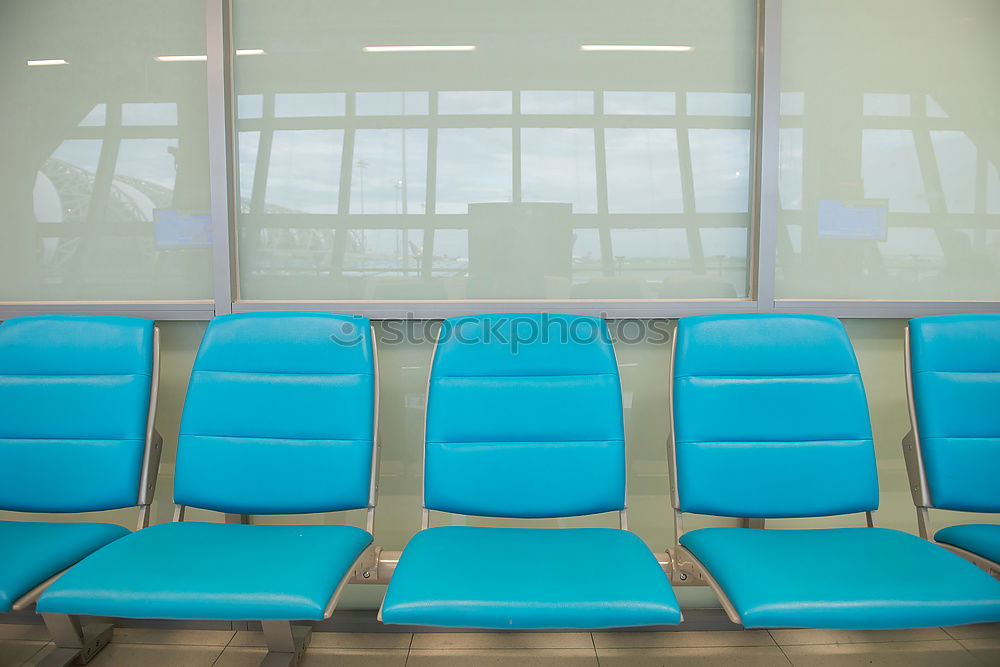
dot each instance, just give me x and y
(75, 644)
(285, 643)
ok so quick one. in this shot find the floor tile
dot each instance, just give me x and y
(986, 650)
(497, 657)
(119, 655)
(682, 639)
(800, 637)
(747, 656)
(165, 636)
(25, 632)
(889, 654)
(249, 638)
(508, 640)
(977, 631)
(15, 652)
(242, 656)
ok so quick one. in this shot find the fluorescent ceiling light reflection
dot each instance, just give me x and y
(439, 47)
(636, 47)
(180, 59)
(251, 52)
(40, 63)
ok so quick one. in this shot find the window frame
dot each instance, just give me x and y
(762, 236)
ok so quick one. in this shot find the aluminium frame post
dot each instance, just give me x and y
(764, 187)
(221, 151)
(286, 643)
(75, 644)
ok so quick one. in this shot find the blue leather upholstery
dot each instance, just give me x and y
(216, 571)
(32, 552)
(852, 578)
(955, 363)
(74, 401)
(510, 578)
(982, 539)
(770, 418)
(279, 415)
(524, 418)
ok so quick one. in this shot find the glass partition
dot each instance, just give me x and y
(103, 132)
(889, 151)
(520, 150)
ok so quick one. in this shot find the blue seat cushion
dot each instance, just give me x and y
(517, 578)
(982, 539)
(31, 552)
(212, 571)
(845, 578)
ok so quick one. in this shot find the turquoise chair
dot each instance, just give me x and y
(953, 448)
(771, 421)
(279, 419)
(524, 420)
(77, 403)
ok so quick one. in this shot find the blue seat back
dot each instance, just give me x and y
(524, 418)
(279, 415)
(74, 406)
(770, 418)
(955, 364)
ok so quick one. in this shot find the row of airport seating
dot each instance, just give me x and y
(769, 419)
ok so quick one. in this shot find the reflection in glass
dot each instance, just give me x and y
(640, 102)
(106, 198)
(890, 170)
(95, 117)
(390, 171)
(525, 169)
(475, 102)
(149, 113)
(719, 160)
(249, 106)
(719, 104)
(302, 105)
(304, 170)
(557, 165)
(474, 165)
(392, 104)
(145, 174)
(793, 103)
(384, 252)
(883, 104)
(643, 171)
(790, 167)
(248, 143)
(915, 153)
(557, 101)
(955, 156)
(992, 189)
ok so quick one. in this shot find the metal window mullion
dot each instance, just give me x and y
(221, 151)
(341, 234)
(601, 164)
(265, 139)
(696, 253)
(430, 195)
(764, 190)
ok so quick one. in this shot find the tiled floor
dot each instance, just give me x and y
(953, 647)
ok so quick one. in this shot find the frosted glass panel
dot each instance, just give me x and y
(498, 159)
(886, 172)
(104, 190)
(474, 165)
(644, 171)
(557, 165)
(304, 168)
